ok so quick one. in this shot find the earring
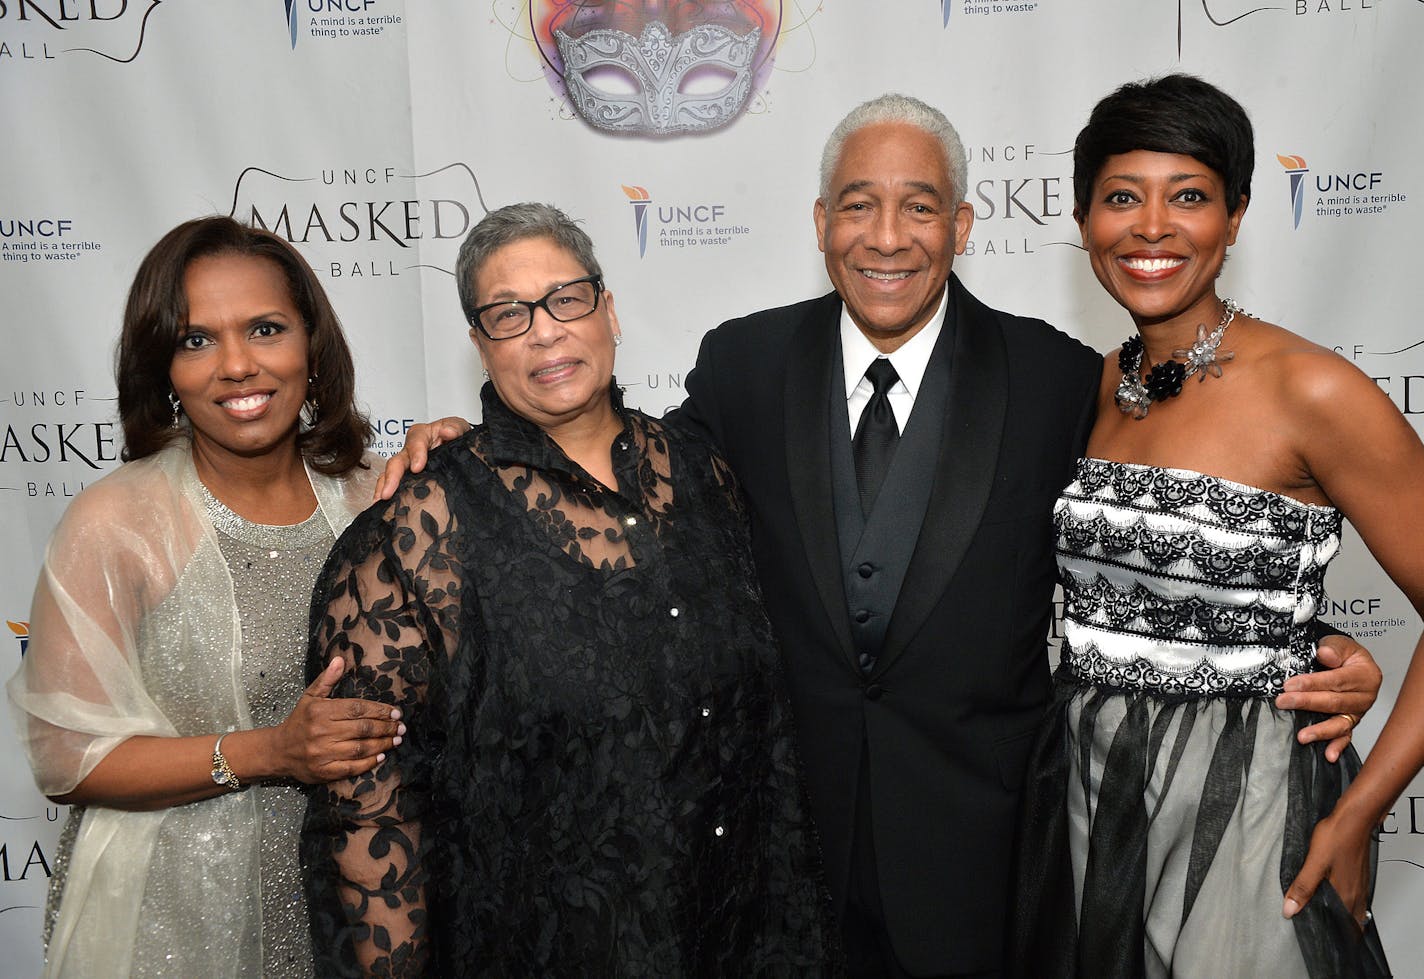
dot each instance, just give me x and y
(486, 374)
(177, 407)
(617, 339)
(311, 408)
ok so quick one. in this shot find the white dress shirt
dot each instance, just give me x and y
(909, 362)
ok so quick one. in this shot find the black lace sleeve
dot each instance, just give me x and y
(387, 603)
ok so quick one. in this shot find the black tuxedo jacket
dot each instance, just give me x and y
(948, 714)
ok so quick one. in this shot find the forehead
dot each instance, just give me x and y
(529, 264)
(228, 276)
(891, 155)
(1140, 165)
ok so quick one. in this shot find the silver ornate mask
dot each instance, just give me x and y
(659, 64)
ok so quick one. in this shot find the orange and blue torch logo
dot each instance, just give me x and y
(640, 199)
(1296, 170)
(22, 633)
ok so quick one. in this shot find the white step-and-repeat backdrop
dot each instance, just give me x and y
(372, 133)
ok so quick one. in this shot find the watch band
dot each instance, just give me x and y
(222, 772)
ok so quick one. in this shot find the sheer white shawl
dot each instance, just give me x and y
(135, 603)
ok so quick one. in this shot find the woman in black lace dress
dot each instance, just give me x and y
(599, 777)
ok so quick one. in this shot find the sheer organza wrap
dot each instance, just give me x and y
(135, 632)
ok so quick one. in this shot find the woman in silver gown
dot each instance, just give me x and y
(1176, 825)
(162, 693)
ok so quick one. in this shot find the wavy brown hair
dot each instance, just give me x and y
(156, 315)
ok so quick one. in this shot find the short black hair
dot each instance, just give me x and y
(1173, 114)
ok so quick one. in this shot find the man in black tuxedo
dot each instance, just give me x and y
(913, 616)
(901, 524)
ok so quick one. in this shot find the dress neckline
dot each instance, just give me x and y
(1190, 474)
(228, 522)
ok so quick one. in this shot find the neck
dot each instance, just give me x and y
(269, 488)
(1162, 336)
(588, 439)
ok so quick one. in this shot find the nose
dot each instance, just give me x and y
(888, 235)
(235, 361)
(1154, 220)
(543, 328)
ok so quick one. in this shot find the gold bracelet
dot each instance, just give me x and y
(222, 772)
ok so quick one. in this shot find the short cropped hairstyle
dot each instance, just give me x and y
(894, 107)
(1178, 114)
(505, 226)
(156, 316)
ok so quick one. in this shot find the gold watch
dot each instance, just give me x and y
(222, 772)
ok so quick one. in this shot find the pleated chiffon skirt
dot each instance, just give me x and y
(1159, 835)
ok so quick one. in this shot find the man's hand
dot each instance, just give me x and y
(1344, 690)
(418, 442)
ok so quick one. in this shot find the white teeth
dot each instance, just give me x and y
(247, 403)
(884, 276)
(1153, 264)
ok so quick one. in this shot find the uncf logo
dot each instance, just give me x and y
(22, 633)
(1296, 170)
(640, 199)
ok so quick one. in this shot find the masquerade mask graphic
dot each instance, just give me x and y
(657, 68)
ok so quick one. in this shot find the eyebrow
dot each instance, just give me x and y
(918, 186)
(1174, 178)
(509, 295)
(271, 314)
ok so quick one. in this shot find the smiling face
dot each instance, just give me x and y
(890, 229)
(240, 368)
(556, 372)
(1157, 229)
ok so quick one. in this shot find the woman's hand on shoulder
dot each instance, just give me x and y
(420, 440)
(324, 739)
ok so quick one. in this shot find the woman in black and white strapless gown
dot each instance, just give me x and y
(1188, 601)
(1175, 823)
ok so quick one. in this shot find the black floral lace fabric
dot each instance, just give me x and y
(599, 776)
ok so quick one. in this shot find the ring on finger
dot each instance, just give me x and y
(1349, 717)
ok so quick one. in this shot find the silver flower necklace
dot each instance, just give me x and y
(1135, 393)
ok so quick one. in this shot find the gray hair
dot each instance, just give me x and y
(518, 222)
(894, 107)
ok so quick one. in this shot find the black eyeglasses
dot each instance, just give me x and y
(510, 318)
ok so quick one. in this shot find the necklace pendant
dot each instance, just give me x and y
(1135, 394)
(1132, 398)
(1203, 356)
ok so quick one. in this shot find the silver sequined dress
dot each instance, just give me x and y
(273, 569)
(148, 621)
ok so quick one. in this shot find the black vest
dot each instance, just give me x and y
(875, 550)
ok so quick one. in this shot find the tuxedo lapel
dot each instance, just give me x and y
(964, 472)
(810, 377)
